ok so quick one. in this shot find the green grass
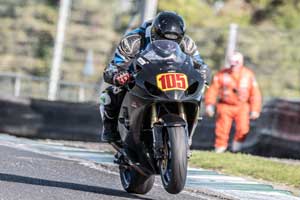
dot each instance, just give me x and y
(248, 165)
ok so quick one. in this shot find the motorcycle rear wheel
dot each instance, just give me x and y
(134, 182)
(173, 169)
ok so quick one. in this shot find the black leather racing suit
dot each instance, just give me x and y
(131, 44)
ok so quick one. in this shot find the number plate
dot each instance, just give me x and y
(172, 81)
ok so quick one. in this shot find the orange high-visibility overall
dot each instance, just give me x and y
(238, 94)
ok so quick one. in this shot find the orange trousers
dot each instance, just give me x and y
(225, 116)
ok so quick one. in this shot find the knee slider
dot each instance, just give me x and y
(105, 99)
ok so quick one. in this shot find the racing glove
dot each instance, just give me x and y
(121, 78)
(210, 110)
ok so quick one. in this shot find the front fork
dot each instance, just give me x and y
(154, 116)
(157, 128)
(195, 123)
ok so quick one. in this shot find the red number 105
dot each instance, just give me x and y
(172, 81)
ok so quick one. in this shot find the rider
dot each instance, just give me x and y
(165, 26)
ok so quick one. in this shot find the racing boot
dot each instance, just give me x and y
(110, 122)
(109, 132)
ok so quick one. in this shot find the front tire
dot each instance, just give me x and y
(173, 169)
(134, 182)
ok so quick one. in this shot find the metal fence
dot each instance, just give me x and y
(37, 87)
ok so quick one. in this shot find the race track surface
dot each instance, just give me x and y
(55, 170)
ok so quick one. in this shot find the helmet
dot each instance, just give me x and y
(168, 26)
(236, 60)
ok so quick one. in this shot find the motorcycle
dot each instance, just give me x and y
(157, 119)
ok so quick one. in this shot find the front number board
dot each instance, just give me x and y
(172, 81)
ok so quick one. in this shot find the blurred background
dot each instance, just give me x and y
(267, 33)
(58, 49)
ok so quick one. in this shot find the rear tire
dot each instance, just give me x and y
(134, 182)
(173, 169)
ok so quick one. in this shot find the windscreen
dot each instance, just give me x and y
(164, 50)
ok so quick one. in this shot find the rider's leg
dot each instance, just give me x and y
(110, 103)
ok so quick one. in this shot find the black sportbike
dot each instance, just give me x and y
(157, 119)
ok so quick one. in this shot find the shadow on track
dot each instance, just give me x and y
(66, 185)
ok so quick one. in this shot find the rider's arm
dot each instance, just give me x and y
(189, 47)
(128, 47)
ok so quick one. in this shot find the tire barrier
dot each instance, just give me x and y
(276, 133)
(50, 119)
(278, 130)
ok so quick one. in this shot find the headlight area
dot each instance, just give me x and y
(192, 89)
(153, 89)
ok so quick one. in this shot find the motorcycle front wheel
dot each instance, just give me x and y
(173, 168)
